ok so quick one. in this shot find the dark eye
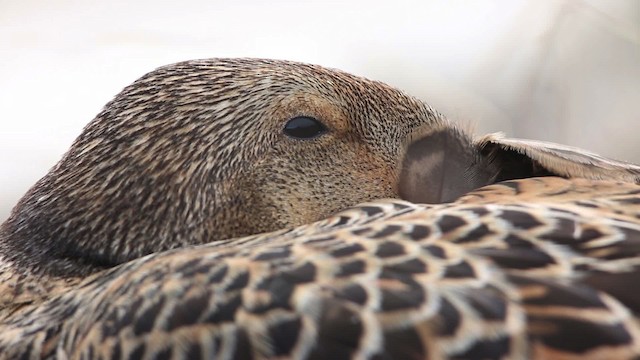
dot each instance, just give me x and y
(304, 127)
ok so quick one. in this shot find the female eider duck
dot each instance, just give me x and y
(234, 209)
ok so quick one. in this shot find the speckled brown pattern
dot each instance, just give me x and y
(135, 245)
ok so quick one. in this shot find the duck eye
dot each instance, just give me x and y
(304, 127)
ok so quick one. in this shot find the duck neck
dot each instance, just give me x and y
(23, 286)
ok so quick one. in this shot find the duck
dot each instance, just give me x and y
(267, 209)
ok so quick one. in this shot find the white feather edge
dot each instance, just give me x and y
(566, 160)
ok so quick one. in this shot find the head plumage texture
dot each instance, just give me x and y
(193, 152)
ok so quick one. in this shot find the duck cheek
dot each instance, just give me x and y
(373, 184)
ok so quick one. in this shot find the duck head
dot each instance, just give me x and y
(205, 150)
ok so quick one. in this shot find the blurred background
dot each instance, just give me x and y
(563, 71)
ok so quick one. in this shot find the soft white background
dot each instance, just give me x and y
(564, 71)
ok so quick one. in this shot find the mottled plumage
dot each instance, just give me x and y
(134, 245)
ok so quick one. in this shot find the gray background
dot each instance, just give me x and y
(562, 71)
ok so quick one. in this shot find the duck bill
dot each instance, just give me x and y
(440, 165)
